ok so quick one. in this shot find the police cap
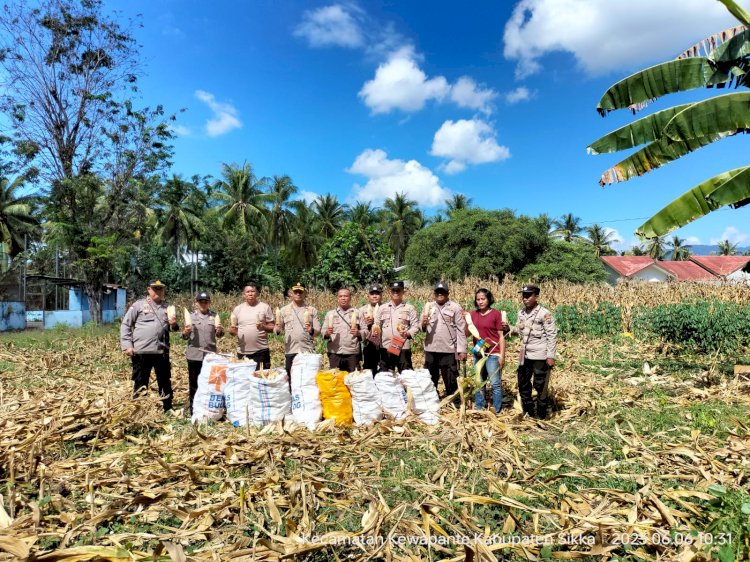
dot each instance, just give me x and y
(529, 289)
(397, 286)
(441, 286)
(374, 288)
(202, 296)
(156, 283)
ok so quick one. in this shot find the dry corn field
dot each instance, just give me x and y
(635, 463)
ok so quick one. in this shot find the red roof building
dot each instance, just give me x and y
(686, 271)
(722, 265)
(627, 266)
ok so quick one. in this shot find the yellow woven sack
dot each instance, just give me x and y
(335, 396)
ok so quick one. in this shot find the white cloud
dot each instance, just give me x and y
(734, 236)
(307, 196)
(224, 117)
(692, 241)
(518, 95)
(399, 83)
(386, 178)
(604, 36)
(181, 130)
(336, 25)
(466, 93)
(467, 142)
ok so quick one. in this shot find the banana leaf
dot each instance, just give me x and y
(734, 49)
(691, 205)
(737, 11)
(665, 78)
(734, 191)
(655, 155)
(646, 129)
(723, 46)
(729, 113)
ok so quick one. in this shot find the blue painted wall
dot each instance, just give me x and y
(12, 316)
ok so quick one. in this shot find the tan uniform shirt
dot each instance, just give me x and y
(202, 336)
(145, 328)
(391, 315)
(341, 340)
(539, 327)
(366, 330)
(296, 338)
(445, 328)
(250, 339)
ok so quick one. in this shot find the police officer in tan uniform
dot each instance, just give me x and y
(398, 324)
(300, 323)
(536, 328)
(250, 322)
(445, 344)
(144, 337)
(343, 330)
(371, 333)
(201, 336)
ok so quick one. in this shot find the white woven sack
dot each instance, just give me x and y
(270, 398)
(392, 395)
(425, 400)
(237, 393)
(208, 403)
(306, 406)
(366, 406)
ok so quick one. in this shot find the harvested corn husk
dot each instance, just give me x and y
(233, 320)
(171, 312)
(188, 318)
(354, 318)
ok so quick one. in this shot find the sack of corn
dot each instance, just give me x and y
(306, 406)
(208, 403)
(270, 398)
(392, 395)
(335, 396)
(237, 392)
(424, 400)
(365, 402)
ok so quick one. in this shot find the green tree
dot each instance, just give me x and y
(721, 60)
(680, 252)
(402, 219)
(601, 240)
(16, 219)
(567, 228)
(353, 257)
(457, 202)
(726, 248)
(476, 243)
(655, 248)
(330, 213)
(363, 214)
(242, 199)
(577, 262)
(280, 214)
(178, 211)
(305, 238)
(68, 72)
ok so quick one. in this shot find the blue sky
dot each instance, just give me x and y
(495, 99)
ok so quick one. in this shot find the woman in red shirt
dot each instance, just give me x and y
(489, 323)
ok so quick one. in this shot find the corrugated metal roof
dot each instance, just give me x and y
(627, 265)
(721, 265)
(685, 270)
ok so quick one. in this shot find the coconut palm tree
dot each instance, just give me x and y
(601, 240)
(458, 202)
(363, 214)
(655, 248)
(331, 214)
(403, 218)
(680, 252)
(178, 213)
(721, 60)
(568, 228)
(16, 219)
(280, 214)
(242, 199)
(726, 248)
(304, 236)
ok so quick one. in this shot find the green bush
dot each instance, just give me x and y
(604, 319)
(705, 326)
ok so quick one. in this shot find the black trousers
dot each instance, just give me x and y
(348, 363)
(370, 357)
(445, 364)
(288, 360)
(194, 369)
(262, 358)
(142, 365)
(534, 372)
(390, 362)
